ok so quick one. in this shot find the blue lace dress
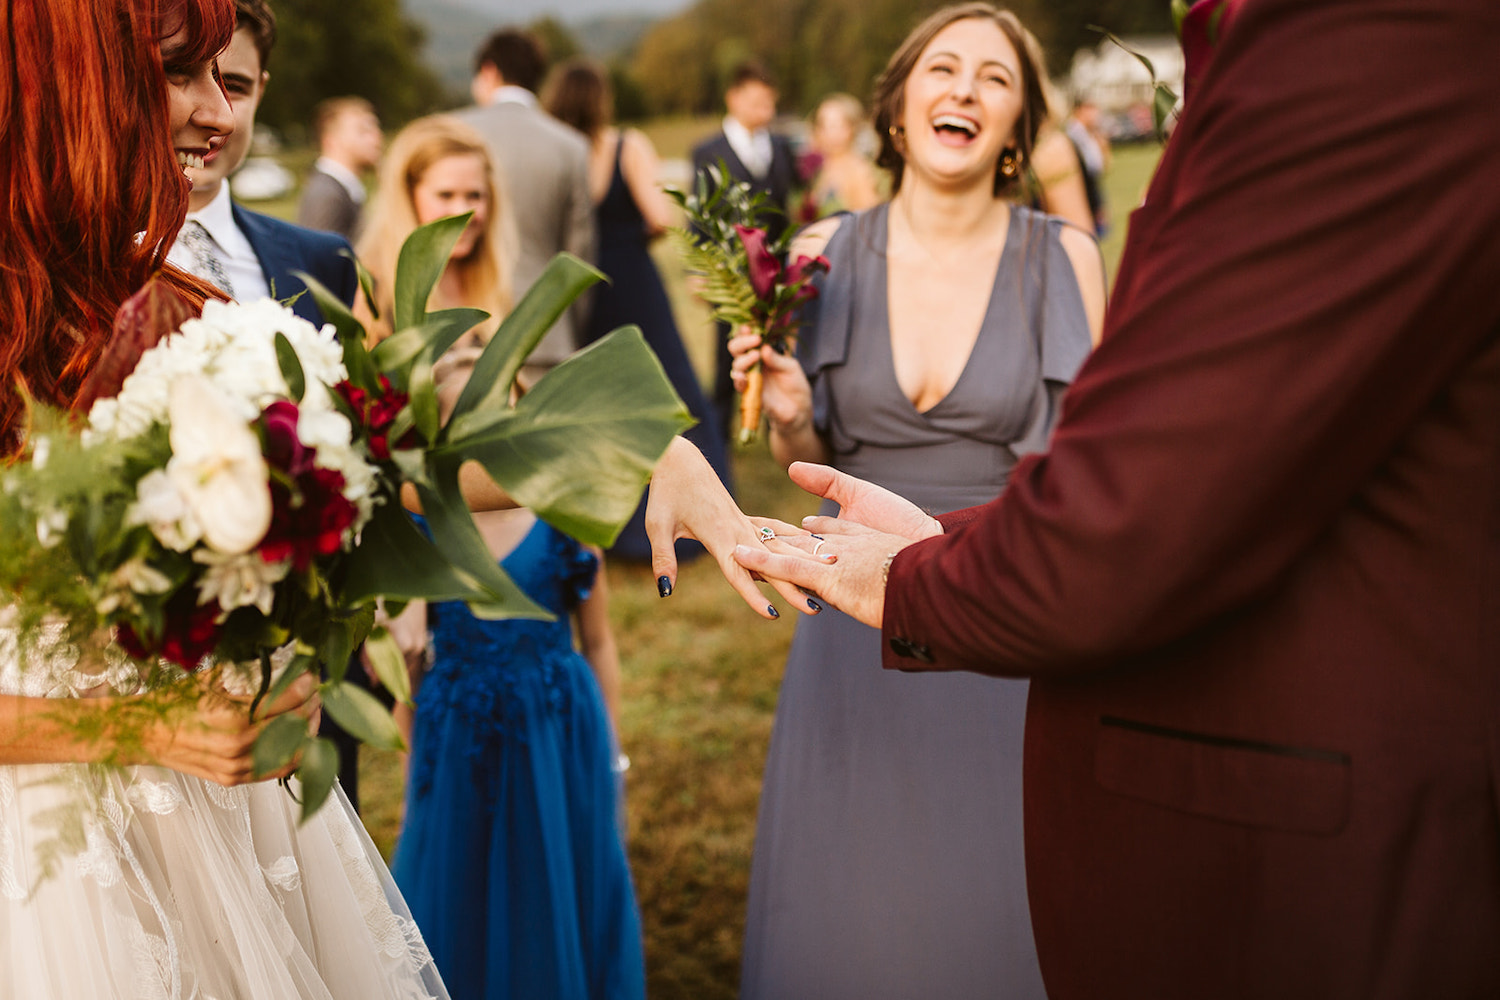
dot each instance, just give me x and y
(511, 858)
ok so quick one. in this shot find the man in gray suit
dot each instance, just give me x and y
(349, 144)
(544, 168)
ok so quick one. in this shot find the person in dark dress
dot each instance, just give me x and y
(631, 211)
(889, 858)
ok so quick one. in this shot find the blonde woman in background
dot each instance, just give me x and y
(510, 849)
(846, 180)
(437, 167)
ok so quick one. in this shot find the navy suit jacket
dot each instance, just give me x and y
(778, 182)
(283, 248)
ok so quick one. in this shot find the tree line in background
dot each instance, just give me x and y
(374, 49)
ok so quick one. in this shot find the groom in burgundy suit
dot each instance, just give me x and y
(1256, 579)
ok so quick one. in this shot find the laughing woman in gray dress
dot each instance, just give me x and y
(888, 857)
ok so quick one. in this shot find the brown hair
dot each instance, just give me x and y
(578, 94)
(890, 85)
(257, 17)
(516, 55)
(484, 275)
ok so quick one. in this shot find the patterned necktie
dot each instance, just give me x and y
(205, 253)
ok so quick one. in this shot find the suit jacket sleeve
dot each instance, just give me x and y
(1314, 265)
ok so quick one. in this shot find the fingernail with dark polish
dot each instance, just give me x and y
(816, 607)
(664, 586)
(779, 346)
(771, 610)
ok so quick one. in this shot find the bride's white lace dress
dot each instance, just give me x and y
(174, 888)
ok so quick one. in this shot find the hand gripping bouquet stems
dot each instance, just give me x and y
(236, 491)
(744, 279)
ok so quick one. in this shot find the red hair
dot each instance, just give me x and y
(93, 195)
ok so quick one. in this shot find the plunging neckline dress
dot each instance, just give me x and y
(889, 860)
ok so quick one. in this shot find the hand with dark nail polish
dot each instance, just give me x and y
(771, 610)
(816, 607)
(664, 586)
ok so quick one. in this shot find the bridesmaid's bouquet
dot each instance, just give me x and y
(744, 278)
(237, 489)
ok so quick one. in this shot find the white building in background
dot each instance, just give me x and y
(1115, 80)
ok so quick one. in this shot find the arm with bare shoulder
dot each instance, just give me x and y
(641, 167)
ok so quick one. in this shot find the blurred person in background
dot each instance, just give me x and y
(845, 179)
(1092, 145)
(754, 154)
(544, 170)
(349, 143)
(889, 859)
(631, 211)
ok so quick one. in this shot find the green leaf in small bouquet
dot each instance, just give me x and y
(317, 773)
(300, 664)
(389, 664)
(577, 450)
(564, 279)
(278, 743)
(423, 258)
(291, 368)
(425, 413)
(361, 715)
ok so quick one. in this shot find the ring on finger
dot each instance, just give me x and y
(819, 544)
(766, 534)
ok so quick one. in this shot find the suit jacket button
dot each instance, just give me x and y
(901, 647)
(921, 652)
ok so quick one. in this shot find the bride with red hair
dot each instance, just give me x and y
(181, 877)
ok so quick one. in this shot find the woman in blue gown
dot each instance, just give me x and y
(631, 210)
(511, 857)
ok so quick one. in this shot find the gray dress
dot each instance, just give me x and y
(888, 855)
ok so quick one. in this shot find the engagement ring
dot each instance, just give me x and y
(766, 534)
(820, 543)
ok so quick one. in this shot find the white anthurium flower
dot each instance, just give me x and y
(160, 505)
(218, 467)
(241, 580)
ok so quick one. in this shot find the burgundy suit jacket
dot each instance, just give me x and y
(1256, 579)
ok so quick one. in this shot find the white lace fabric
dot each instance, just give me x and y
(168, 887)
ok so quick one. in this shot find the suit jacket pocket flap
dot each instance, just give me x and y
(1275, 786)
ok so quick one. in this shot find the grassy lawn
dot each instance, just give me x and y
(700, 680)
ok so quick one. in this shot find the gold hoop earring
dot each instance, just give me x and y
(898, 137)
(1010, 164)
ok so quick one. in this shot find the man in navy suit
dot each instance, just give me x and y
(757, 156)
(247, 254)
(250, 255)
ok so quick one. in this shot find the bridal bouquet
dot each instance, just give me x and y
(240, 494)
(744, 279)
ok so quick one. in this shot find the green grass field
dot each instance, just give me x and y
(700, 680)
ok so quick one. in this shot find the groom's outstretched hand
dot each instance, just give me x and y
(853, 551)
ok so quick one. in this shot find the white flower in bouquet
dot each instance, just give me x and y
(239, 581)
(218, 467)
(161, 506)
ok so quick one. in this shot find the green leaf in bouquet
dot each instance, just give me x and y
(317, 773)
(278, 744)
(366, 282)
(424, 398)
(360, 715)
(578, 450)
(438, 331)
(389, 664)
(394, 353)
(350, 331)
(421, 262)
(564, 279)
(396, 560)
(291, 367)
(458, 539)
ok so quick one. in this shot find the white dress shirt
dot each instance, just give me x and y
(753, 148)
(235, 252)
(511, 94)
